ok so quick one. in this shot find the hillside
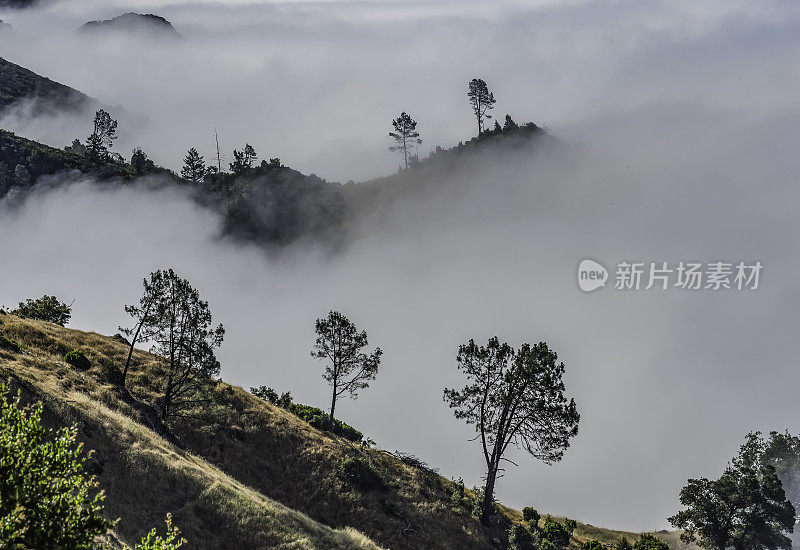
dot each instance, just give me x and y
(133, 22)
(18, 83)
(247, 475)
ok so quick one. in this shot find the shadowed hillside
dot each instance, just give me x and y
(18, 83)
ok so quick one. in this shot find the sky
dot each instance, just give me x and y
(681, 123)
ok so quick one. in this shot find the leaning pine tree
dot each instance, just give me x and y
(513, 397)
(349, 369)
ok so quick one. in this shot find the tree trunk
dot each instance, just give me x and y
(488, 494)
(333, 408)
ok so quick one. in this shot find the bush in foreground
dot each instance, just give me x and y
(47, 499)
(8, 344)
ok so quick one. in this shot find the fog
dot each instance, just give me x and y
(682, 123)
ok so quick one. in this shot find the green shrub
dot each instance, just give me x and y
(570, 525)
(623, 544)
(360, 472)
(556, 533)
(520, 538)
(458, 492)
(531, 516)
(77, 359)
(594, 545)
(172, 541)
(321, 420)
(48, 501)
(546, 544)
(8, 344)
(649, 542)
(111, 374)
(46, 308)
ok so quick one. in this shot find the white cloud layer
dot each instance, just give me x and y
(687, 115)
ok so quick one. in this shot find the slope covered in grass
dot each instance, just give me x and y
(244, 473)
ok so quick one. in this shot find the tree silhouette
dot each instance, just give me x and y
(243, 160)
(481, 100)
(745, 508)
(102, 137)
(350, 369)
(405, 135)
(194, 167)
(513, 397)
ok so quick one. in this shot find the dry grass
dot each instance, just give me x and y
(224, 490)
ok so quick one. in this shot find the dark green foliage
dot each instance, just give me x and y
(18, 83)
(8, 344)
(521, 538)
(321, 420)
(570, 525)
(414, 461)
(623, 544)
(531, 516)
(279, 206)
(594, 545)
(46, 498)
(78, 359)
(649, 542)
(359, 472)
(548, 545)
(556, 533)
(458, 493)
(140, 164)
(46, 308)
(746, 507)
(243, 160)
(99, 142)
(267, 394)
(513, 397)
(283, 400)
(194, 167)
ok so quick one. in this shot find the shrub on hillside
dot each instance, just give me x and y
(360, 472)
(47, 501)
(649, 542)
(8, 344)
(46, 308)
(171, 541)
(321, 420)
(623, 544)
(531, 516)
(594, 545)
(77, 359)
(556, 533)
(521, 538)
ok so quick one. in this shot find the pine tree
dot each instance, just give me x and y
(481, 100)
(194, 167)
(102, 136)
(405, 135)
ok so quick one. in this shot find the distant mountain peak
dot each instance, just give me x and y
(134, 22)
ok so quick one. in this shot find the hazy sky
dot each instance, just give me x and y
(684, 116)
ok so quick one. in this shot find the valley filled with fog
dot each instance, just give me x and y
(679, 123)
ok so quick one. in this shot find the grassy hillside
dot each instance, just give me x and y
(247, 475)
